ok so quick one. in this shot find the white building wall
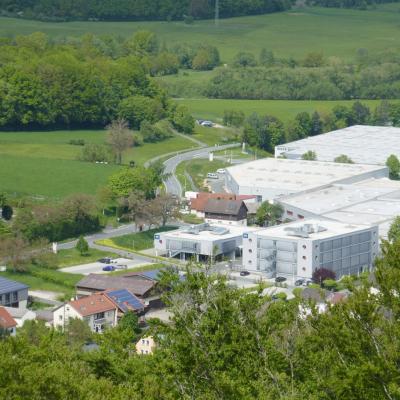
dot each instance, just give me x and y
(62, 315)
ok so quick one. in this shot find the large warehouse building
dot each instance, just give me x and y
(371, 202)
(271, 178)
(297, 249)
(363, 144)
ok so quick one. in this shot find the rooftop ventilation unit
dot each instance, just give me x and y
(304, 231)
(196, 229)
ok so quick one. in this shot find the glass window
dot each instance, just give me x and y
(345, 251)
(337, 243)
(355, 239)
(355, 249)
(364, 247)
(355, 260)
(346, 262)
(346, 241)
(15, 296)
(337, 253)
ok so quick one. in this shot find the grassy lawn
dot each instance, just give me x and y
(70, 257)
(197, 169)
(39, 278)
(139, 241)
(191, 219)
(212, 136)
(283, 109)
(336, 32)
(149, 267)
(43, 164)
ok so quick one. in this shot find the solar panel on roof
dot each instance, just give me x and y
(125, 299)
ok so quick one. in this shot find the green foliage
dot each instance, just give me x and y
(343, 159)
(330, 284)
(56, 10)
(393, 164)
(93, 152)
(309, 156)
(82, 246)
(233, 118)
(244, 59)
(155, 133)
(268, 214)
(394, 230)
(136, 109)
(126, 180)
(77, 214)
(205, 58)
(181, 119)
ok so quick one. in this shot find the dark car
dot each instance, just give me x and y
(300, 282)
(280, 279)
(109, 268)
(104, 260)
(244, 273)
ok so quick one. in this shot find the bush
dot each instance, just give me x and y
(77, 142)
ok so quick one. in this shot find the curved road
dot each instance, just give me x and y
(172, 183)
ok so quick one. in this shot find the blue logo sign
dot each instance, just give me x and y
(245, 235)
(156, 236)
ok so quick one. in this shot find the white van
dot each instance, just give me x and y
(212, 175)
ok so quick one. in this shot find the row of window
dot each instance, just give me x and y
(346, 241)
(8, 298)
(353, 261)
(345, 252)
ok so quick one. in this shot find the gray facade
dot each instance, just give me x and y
(12, 293)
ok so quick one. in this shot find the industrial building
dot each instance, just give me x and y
(272, 178)
(295, 250)
(201, 241)
(363, 144)
(369, 202)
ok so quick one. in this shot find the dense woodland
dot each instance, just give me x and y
(358, 4)
(63, 10)
(224, 343)
(88, 82)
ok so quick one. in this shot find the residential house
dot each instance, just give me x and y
(198, 203)
(94, 283)
(7, 322)
(20, 315)
(145, 345)
(227, 212)
(97, 310)
(13, 293)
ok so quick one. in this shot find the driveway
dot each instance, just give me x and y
(97, 267)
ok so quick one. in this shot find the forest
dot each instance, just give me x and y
(119, 10)
(87, 81)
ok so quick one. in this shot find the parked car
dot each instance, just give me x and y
(105, 260)
(207, 124)
(308, 282)
(109, 268)
(221, 170)
(244, 273)
(280, 279)
(300, 282)
(212, 175)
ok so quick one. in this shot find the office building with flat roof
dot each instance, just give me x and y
(201, 241)
(295, 250)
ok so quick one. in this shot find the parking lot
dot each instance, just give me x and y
(97, 267)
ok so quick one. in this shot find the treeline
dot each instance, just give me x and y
(357, 4)
(88, 82)
(119, 10)
(267, 131)
(224, 343)
(301, 83)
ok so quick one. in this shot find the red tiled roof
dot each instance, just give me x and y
(6, 320)
(200, 201)
(93, 304)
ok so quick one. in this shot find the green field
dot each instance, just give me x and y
(43, 164)
(139, 241)
(336, 32)
(283, 109)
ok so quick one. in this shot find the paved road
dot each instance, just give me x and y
(172, 183)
